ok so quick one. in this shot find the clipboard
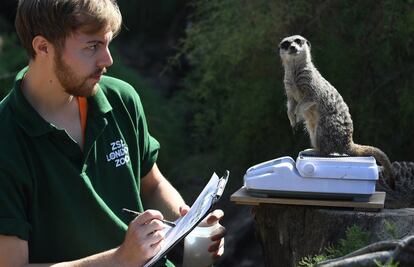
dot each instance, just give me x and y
(198, 211)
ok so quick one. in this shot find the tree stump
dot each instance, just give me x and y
(288, 233)
(289, 230)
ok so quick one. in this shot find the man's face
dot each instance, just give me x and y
(80, 63)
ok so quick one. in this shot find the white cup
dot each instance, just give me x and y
(196, 245)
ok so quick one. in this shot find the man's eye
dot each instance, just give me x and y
(298, 41)
(285, 45)
(93, 47)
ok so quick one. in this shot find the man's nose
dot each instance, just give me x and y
(105, 59)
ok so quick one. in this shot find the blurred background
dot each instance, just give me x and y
(211, 82)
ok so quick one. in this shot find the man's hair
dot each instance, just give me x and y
(57, 19)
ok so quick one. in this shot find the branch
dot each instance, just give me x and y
(358, 261)
(384, 251)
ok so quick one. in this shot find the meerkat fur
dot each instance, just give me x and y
(312, 99)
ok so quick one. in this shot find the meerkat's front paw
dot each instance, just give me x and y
(293, 123)
(292, 119)
(298, 119)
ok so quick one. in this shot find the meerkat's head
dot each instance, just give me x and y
(294, 49)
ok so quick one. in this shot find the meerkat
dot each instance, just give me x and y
(312, 99)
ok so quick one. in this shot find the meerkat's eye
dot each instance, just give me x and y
(298, 41)
(285, 45)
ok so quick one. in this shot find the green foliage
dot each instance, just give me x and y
(312, 261)
(387, 264)
(235, 87)
(391, 229)
(148, 19)
(355, 238)
(12, 59)
(235, 94)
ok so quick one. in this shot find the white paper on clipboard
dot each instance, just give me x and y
(200, 208)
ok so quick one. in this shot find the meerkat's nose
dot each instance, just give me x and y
(292, 49)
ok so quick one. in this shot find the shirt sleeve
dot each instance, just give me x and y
(151, 155)
(13, 205)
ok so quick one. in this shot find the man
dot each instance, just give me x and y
(76, 149)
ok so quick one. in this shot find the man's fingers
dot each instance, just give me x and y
(155, 238)
(219, 235)
(157, 246)
(184, 209)
(148, 227)
(219, 253)
(152, 226)
(217, 248)
(148, 216)
(214, 216)
(214, 247)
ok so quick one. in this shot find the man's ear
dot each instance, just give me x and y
(41, 45)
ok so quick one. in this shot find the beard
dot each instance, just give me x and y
(74, 84)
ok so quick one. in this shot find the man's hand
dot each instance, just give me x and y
(217, 246)
(143, 239)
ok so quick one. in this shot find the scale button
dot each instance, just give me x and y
(309, 169)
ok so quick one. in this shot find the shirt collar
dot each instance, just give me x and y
(31, 121)
(98, 103)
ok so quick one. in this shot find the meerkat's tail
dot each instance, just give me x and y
(379, 155)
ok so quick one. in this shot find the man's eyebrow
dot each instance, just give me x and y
(95, 41)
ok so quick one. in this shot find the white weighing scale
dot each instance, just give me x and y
(334, 177)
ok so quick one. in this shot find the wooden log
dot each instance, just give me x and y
(288, 233)
(397, 251)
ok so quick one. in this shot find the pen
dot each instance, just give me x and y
(136, 213)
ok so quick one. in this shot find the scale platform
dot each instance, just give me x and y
(374, 203)
(314, 178)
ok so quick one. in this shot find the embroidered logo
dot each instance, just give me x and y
(119, 153)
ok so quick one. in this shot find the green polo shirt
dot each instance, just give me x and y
(67, 203)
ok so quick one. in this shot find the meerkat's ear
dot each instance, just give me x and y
(308, 43)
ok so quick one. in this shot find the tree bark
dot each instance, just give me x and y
(288, 233)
